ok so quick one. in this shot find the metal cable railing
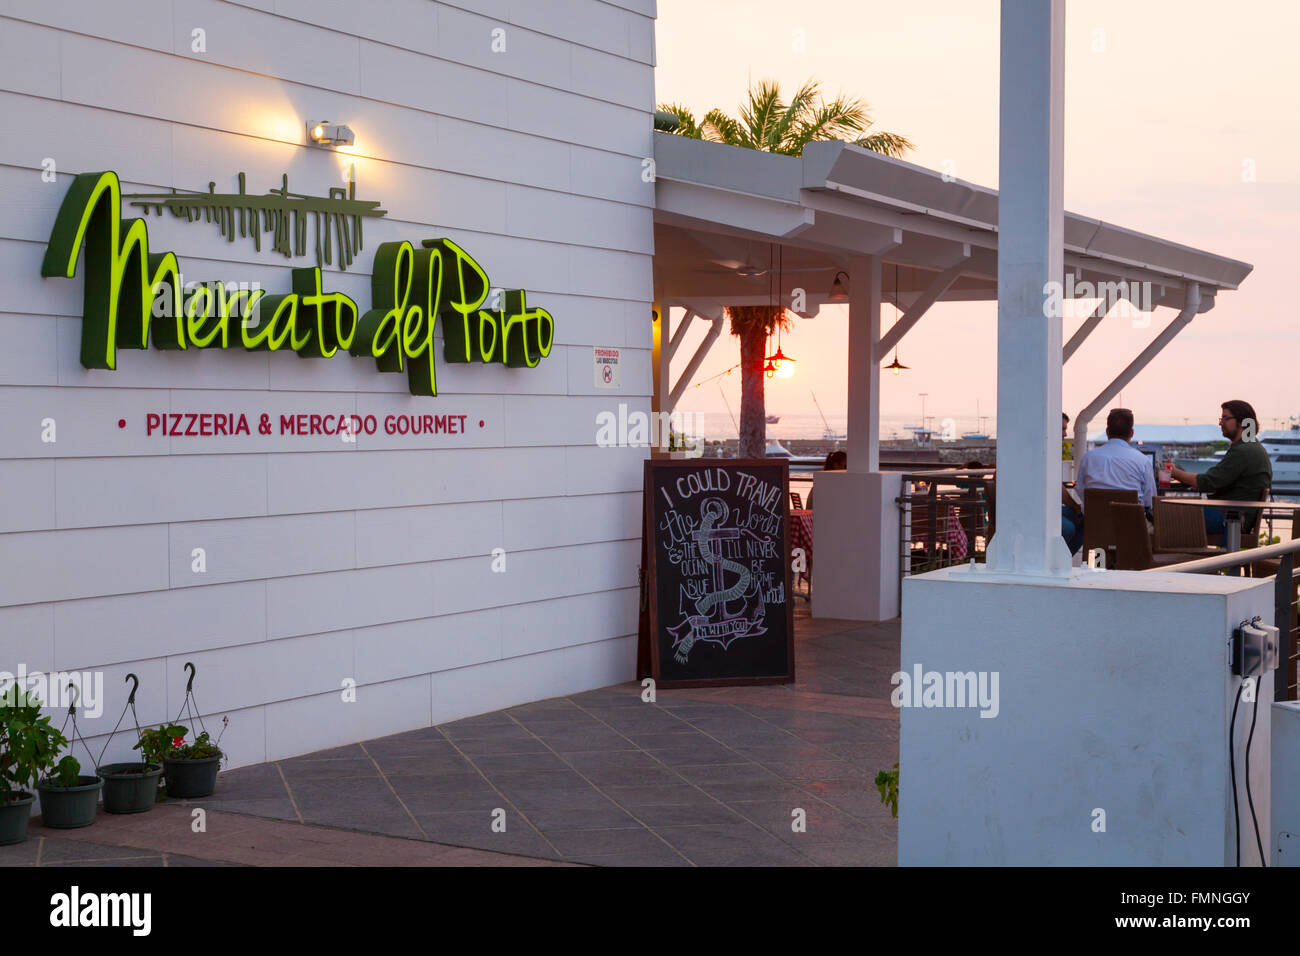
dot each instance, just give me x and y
(943, 520)
(1286, 616)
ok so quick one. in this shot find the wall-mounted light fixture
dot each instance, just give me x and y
(326, 133)
(839, 293)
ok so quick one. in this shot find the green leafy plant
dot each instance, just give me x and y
(887, 784)
(202, 747)
(167, 742)
(67, 772)
(29, 743)
(154, 745)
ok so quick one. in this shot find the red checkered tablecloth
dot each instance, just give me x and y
(949, 531)
(801, 534)
(955, 534)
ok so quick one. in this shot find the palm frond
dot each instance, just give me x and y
(890, 144)
(795, 114)
(721, 128)
(761, 113)
(746, 318)
(686, 125)
(836, 120)
(765, 122)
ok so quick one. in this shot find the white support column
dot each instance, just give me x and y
(1025, 627)
(864, 365)
(1030, 254)
(856, 521)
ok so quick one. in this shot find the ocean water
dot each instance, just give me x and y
(719, 425)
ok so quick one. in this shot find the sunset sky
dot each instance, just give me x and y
(1168, 104)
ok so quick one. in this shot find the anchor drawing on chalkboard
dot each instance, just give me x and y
(730, 606)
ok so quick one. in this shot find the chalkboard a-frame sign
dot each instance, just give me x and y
(715, 547)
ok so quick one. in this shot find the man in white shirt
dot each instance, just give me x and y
(1117, 465)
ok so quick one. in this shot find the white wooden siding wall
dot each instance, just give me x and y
(328, 560)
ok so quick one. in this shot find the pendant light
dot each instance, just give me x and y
(778, 363)
(896, 366)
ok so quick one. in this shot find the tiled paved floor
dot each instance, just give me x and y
(165, 837)
(41, 849)
(704, 777)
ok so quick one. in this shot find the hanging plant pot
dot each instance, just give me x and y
(130, 787)
(67, 808)
(14, 815)
(192, 778)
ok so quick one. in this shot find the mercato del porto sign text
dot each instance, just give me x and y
(134, 297)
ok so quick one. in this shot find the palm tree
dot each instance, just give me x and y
(766, 122)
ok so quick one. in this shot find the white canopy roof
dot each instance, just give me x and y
(719, 209)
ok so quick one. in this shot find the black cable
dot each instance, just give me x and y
(1249, 799)
(1232, 770)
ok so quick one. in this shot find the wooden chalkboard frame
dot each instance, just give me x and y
(648, 637)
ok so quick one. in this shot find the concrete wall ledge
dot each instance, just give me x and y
(1106, 699)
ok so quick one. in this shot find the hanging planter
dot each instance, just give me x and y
(134, 786)
(15, 811)
(192, 776)
(70, 799)
(130, 787)
(190, 769)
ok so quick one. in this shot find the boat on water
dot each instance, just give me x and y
(921, 435)
(828, 434)
(772, 419)
(977, 435)
(1283, 449)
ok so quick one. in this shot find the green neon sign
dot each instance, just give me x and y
(284, 214)
(134, 297)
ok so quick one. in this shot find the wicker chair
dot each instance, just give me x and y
(1180, 529)
(1268, 567)
(1133, 540)
(1097, 526)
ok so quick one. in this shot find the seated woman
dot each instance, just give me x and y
(835, 461)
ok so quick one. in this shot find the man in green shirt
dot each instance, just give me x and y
(1245, 472)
